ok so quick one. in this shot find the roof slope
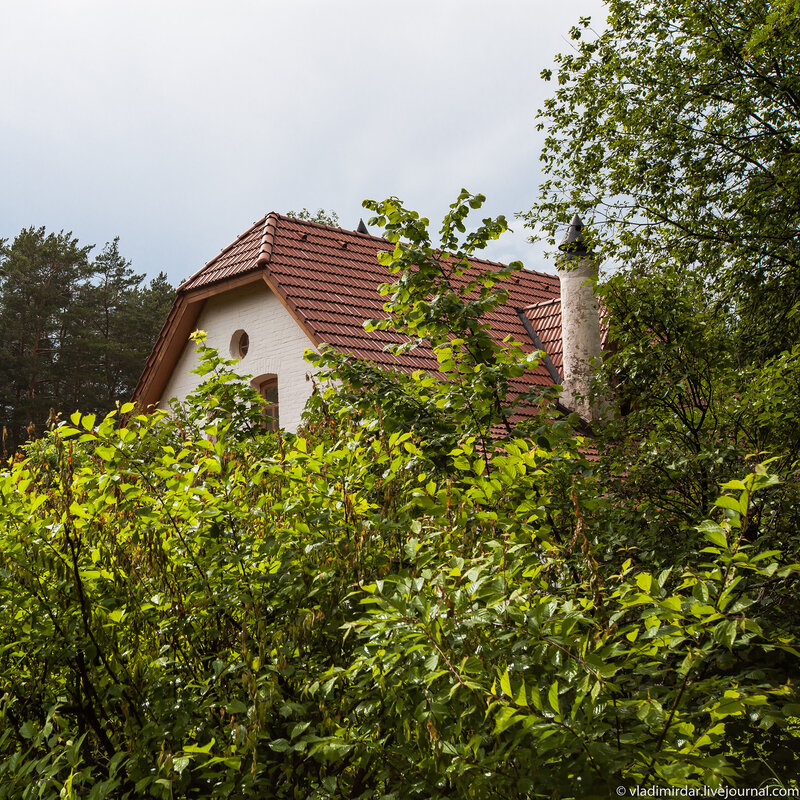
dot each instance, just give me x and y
(327, 277)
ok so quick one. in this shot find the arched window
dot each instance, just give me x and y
(267, 386)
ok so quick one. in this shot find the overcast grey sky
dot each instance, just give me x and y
(177, 123)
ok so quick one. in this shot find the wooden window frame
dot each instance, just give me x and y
(267, 387)
(240, 344)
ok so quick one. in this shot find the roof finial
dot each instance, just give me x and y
(573, 243)
(362, 228)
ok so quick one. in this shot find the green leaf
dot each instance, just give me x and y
(505, 683)
(106, 453)
(552, 699)
(521, 699)
(28, 730)
(717, 538)
(179, 764)
(730, 503)
(506, 717)
(280, 745)
(193, 748)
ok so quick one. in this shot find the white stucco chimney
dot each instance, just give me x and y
(580, 322)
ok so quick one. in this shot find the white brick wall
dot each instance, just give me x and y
(276, 347)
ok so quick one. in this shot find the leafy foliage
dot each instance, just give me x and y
(386, 605)
(676, 131)
(440, 300)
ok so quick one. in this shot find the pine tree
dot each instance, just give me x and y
(41, 277)
(74, 332)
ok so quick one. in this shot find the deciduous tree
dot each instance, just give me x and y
(677, 132)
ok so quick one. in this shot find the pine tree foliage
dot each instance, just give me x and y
(74, 331)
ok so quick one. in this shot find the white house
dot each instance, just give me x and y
(286, 285)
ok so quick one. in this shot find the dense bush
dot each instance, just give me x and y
(395, 605)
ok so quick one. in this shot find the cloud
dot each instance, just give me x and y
(175, 125)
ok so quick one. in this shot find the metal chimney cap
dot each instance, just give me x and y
(573, 243)
(362, 228)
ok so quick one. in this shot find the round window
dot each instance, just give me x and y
(240, 344)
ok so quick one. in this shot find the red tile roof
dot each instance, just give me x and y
(545, 317)
(328, 279)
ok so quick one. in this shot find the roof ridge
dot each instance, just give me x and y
(271, 223)
(331, 228)
(223, 251)
(267, 239)
(335, 229)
